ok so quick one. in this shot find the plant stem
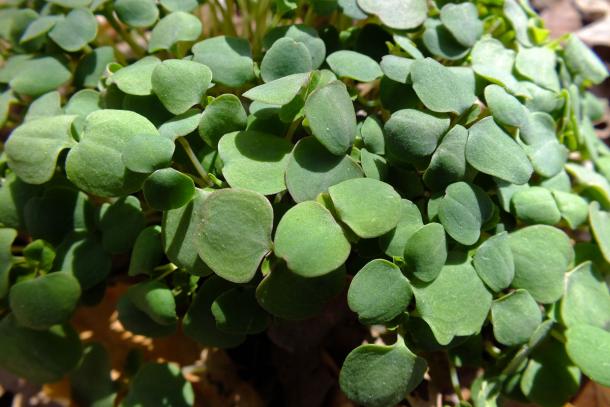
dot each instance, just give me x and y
(293, 128)
(195, 161)
(455, 379)
(135, 47)
(166, 269)
(246, 18)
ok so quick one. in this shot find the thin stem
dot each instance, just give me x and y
(293, 128)
(195, 161)
(455, 379)
(215, 21)
(135, 47)
(167, 270)
(246, 18)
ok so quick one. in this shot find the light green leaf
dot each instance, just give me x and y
(454, 96)
(304, 34)
(448, 163)
(174, 28)
(27, 80)
(280, 91)
(439, 41)
(285, 57)
(354, 65)
(505, 108)
(75, 31)
(582, 61)
(255, 161)
(538, 65)
(456, 303)
(379, 292)
(542, 255)
(369, 207)
(462, 21)
(536, 205)
(394, 242)
(515, 317)
(310, 240)
(589, 348)
(168, 189)
(397, 14)
(136, 79)
(180, 84)
(33, 148)
(137, 13)
(229, 58)
(332, 118)
(426, 252)
(587, 299)
(518, 19)
(235, 232)
(600, 226)
(145, 153)
(494, 262)
(381, 376)
(95, 164)
(490, 150)
(181, 125)
(223, 115)
(573, 208)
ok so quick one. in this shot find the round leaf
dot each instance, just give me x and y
(144, 153)
(426, 251)
(223, 115)
(168, 189)
(395, 241)
(172, 29)
(331, 116)
(515, 317)
(285, 57)
(310, 241)
(137, 13)
(180, 84)
(157, 381)
(397, 14)
(236, 311)
(589, 348)
(536, 205)
(229, 59)
(156, 300)
(235, 232)
(354, 65)
(254, 160)
(136, 79)
(379, 292)
(494, 262)
(369, 207)
(587, 299)
(600, 226)
(75, 31)
(462, 21)
(44, 301)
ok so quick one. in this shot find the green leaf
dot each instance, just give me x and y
(236, 311)
(181, 125)
(600, 226)
(536, 205)
(168, 189)
(369, 207)
(589, 348)
(136, 79)
(372, 135)
(492, 61)
(397, 14)
(95, 164)
(462, 21)
(33, 148)
(515, 317)
(235, 232)
(331, 116)
(287, 295)
(374, 166)
(92, 66)
(395, 241)
(413, 134)
(27, 80)
(229, 59)
(47, 105)
(381, 376)
(517, 17)
(311, 169)
(44, 301)
(494, 262)
(120, 223)
(7, 236)
(280, 91)
(147, 252)
(306, 35)
(179, 235)
(587, 299)
(223, 115)
(22, 349)
(84, 257)
(310, 240)
(180, 84)
(456, 303)
(490, 150)
(174, 28)
(379, 292)
(584, 62)
(590, 181)
(146, 153)
(155, 299)
(538, 65)
(159, 381)
(354, 65)
(550, 378)
(439, 41)
(199, 323)
(254, 161)
(463, 211)
(396, 68)
(285, 57)
(426, 251)
(39, 27)
(137, 13)
(90, 382)
(448, 163)
(542, 255)
(138, 322)
(179, 5)
(74, 32)
(454, 96)
(505, 108)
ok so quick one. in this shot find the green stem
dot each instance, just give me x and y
(246, 18)
(455, 379)
(293, 128)
(135, 47)
(195, 161)
(166, 270)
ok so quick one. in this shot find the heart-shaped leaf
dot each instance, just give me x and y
(137, 13)
(493, 261)
(586, 300)
(515, 317)
(354, 65)
(168, 189)
(229, 59)
(285, 57)
(225, 114)
(180, 84)
(397, 14)
(426, 251)
(589, 348)
(174, 28)
(74, 32)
